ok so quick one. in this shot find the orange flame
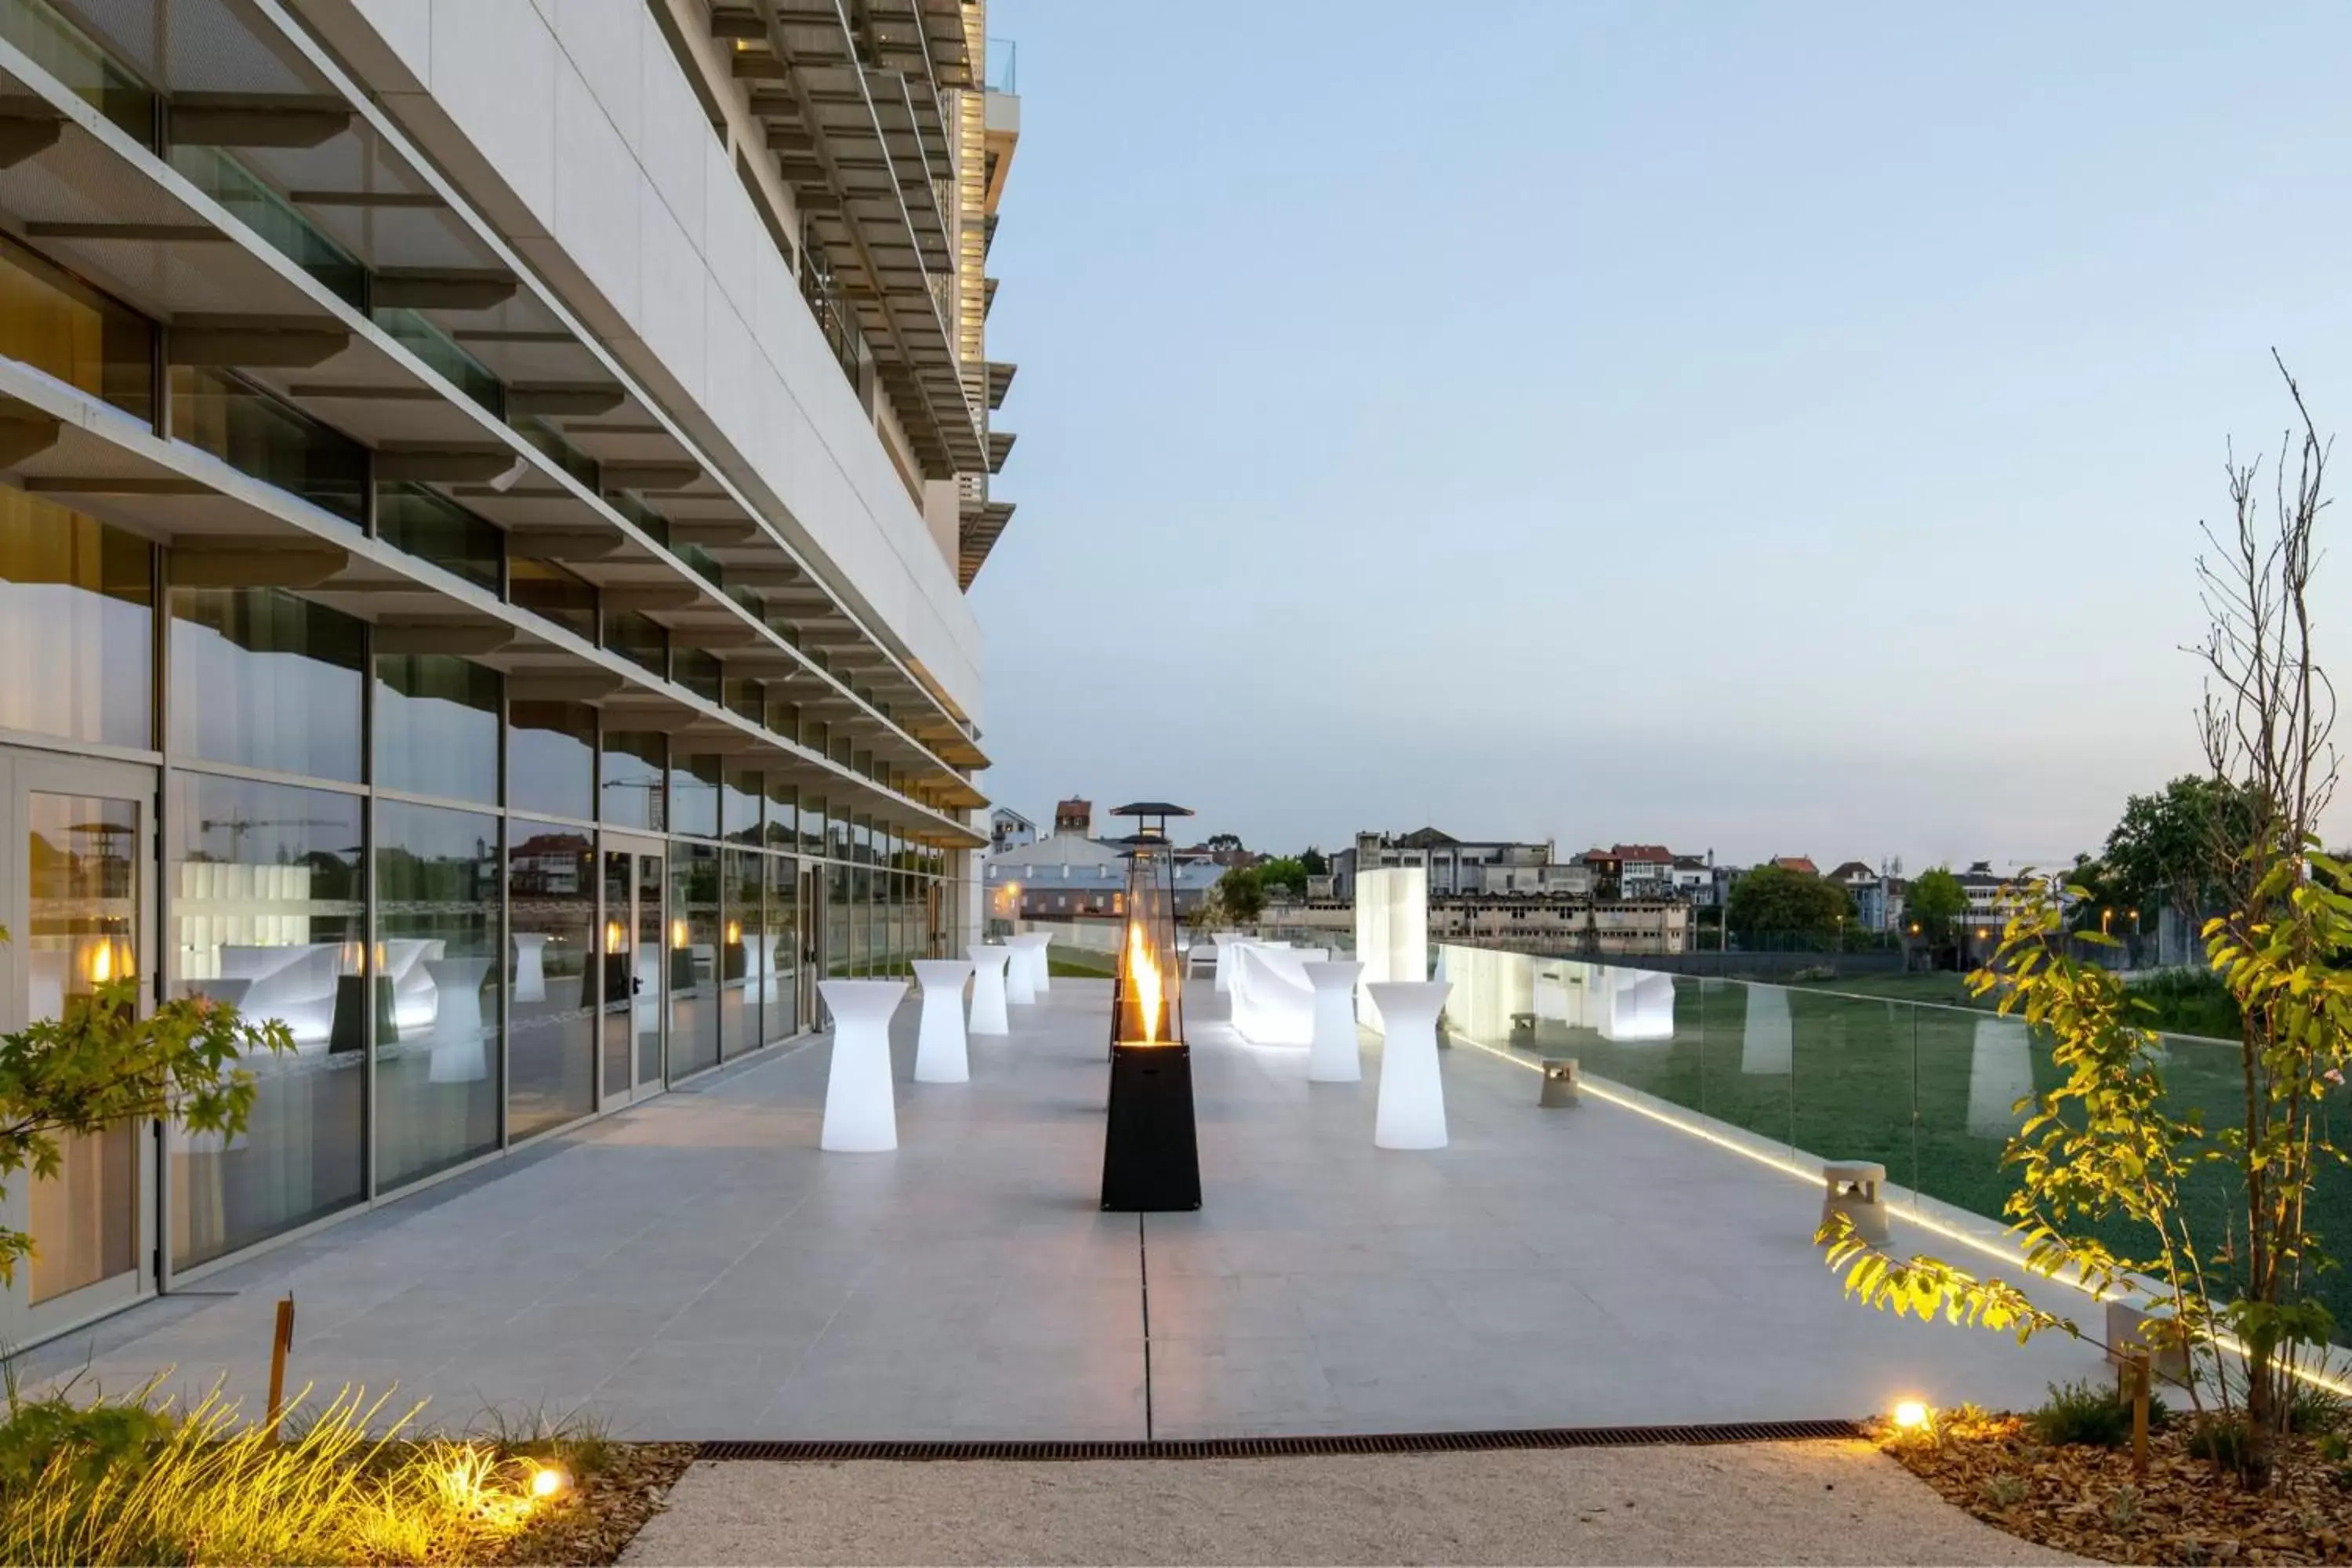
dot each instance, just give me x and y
(1145, 973)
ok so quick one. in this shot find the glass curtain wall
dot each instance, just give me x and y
(694, 943)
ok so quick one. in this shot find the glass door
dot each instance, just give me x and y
(635, 983)
(810, 907)
(75, 840)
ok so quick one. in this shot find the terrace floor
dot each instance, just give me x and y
(696, 1269)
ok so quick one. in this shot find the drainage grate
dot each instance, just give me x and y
(1291, 1448)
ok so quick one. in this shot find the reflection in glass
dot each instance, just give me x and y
(81, 860)
(649, 986)
(638, 639)
(78, 603)
(551, 757)
(838, 958)
(780, 998)
(264, 680)
(616, 987)
(437, 726)
(436, 950)
(266, 915)
(783, 816)
(746, 955)
(693, 959)
(550, 1011)
(631, 793)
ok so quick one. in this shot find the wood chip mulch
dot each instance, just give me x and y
(2084, 1500)
(607, 1510)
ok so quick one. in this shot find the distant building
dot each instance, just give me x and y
(1804, 863)
(1644, 870)
(1068, 877)
(1698, 880)
(1561, 925)
(1075, 817)
(1008, 829)
(1454, 865)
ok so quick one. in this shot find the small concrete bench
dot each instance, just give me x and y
(1853, 1190)
(1563, 1082)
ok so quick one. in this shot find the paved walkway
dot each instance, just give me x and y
(1775, 1502)
(696, 1269)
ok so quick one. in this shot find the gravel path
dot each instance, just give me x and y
(1830, 1502)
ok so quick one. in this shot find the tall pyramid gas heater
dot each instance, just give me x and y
(1151, 1158)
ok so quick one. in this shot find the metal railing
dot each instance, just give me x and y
(1003, 57)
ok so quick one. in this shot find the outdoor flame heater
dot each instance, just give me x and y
(1151, 1158)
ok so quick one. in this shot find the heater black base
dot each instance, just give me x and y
(1151, 1157)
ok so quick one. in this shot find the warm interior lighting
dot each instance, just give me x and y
(1145, 973)
(678, 933)
(1911, 1416)
(611, 936)
(734, 934)
(550, 1481)
(101, 962)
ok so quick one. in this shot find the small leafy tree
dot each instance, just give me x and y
(1283, 873)
(1241, 896)
(1935, 902)
(2105, 1144)
(100, 1063)
(1774, 900)
(2162, 851)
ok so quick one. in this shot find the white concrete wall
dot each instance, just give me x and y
(573, 125)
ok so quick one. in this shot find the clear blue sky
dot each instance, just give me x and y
(1777, 428)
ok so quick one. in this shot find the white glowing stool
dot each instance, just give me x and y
(1333, 1056)
(1029, 948)
(1020, 979)
(939, 1055)
(1411, 1112)
(530, 966)
(459, 1054)
(988, 961)
(861, 1117)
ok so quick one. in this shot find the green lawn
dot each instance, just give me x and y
(1923, 1091)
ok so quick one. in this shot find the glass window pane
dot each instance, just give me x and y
(255, 434)
(553, 593)
(694, 796)
(551, 1017)
(81, 860)
(783, 816)
(631, 793)
(437, 726)
(694, 938)
(77, 604)
(551, 757)
(747, 962)
(780, 1008)
(812, 836)
(739, 807)
(268, 891)
(414, 519)
(698, 671)
(437, 1081)
(61, 326)
(638, 639)
(262, 679)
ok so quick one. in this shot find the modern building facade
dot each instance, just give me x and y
(1454, 865)
(486, 493)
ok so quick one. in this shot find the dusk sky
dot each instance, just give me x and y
(1777, 430)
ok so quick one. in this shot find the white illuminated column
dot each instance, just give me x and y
(530, 966)
(1029, 955)
(940, 1055)
(1333, 1055)
(988, 961)
(861, 1116)
(1411, 1112)
(1391, 930)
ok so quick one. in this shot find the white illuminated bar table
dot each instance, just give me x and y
(861, 1115)
(940, 1055)
(1411, 1112)
(988, 961)
(1332, 1054)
